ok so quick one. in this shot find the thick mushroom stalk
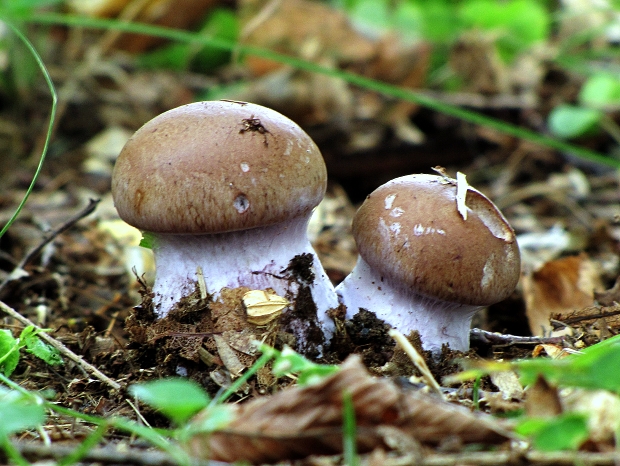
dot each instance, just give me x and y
(255, 258)
(428, 261)
(226, 188)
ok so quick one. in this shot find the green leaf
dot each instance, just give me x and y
(308, 372)
(43, 351)
(9, 8)
(29, 337)
(18, 412)
(372, 15)
(600, 90)
(178, 399)
(440, 23)
(590, 369)
(9, 352)
(527, 21)
(524, 21)
(565, 432)
(486, 14)
(214, 418)
(568, 121)
(349, 431)
(222, 23)
(517, 24)
(148, 240)
(173, 57)
(409, 20)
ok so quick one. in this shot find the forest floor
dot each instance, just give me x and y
(69, 264)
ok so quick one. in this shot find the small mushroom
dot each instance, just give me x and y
(227, 187)
(425, 266)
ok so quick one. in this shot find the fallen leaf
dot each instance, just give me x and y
(609, 297)
(543, 400)
(557, 288)
(508, 384)
(263, 306)
(228, 356)
(303, 421)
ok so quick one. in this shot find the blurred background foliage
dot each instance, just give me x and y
(490, 48)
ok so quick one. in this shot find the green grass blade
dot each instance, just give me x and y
(50, 127)
(349, 431)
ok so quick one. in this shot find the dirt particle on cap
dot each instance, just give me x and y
(254, 125)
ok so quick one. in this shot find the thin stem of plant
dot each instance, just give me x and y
(48, 136)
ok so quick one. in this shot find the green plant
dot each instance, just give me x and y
(48, 136)
(598, 98)
(589, 369)
(288, 361)
(21, 410)
(178, 399)
(221, 23)
(10, 349)
(20, 67)
(514, 26)
(18, 411)
(163, 394)
(564, 432)
(349, 431)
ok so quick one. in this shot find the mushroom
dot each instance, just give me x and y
(225, 187)
(426, 265)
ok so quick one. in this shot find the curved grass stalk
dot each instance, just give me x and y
(48, 136)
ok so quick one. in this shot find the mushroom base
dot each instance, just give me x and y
(437, 322)
(255, 258)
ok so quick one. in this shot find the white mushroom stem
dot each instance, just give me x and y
(438, 322)
(253, 258)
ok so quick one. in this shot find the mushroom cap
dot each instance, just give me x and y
(215, 167)
(410, 231)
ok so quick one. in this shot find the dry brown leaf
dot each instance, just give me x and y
(304, 421)
(180, 14)
(508, 384)
(542, 400)
(557, 288)
(303, 28)
(325, 35)
(609, 297)
(602, 409)
(228, 356)
(263, 306)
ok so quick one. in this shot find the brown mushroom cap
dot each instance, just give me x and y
(410, 231)
(214, 167)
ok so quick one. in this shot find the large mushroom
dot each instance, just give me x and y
(227, 188)
(429, 257)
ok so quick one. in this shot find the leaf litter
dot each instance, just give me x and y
(81, 286)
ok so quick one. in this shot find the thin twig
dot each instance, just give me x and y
(493, 338)
(48, 239)
(61, 348)
(142, 457)
(106, 455)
